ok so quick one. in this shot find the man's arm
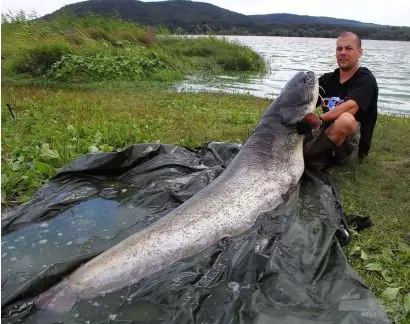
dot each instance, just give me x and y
(349, 106)
(358, 97)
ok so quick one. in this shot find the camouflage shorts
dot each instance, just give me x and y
(319, 151)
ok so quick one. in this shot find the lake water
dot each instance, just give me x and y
(388, 60)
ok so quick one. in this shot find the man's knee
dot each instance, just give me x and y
(344, 126)
(347, 122)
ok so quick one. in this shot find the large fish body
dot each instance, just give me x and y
(267, 167)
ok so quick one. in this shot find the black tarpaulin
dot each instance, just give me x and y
(288, 268)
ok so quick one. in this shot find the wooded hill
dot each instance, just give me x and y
(198, 17)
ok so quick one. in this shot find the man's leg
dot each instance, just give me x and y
(328, 146)
(343, 127)
(345, 133)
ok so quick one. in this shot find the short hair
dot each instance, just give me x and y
(357, 37)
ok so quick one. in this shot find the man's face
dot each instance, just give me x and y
(347, 52)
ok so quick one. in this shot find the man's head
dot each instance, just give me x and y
(348, 51)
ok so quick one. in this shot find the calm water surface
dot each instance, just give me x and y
(388, 60)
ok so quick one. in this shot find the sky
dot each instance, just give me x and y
(391, 12)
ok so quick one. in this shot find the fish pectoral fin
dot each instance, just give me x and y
(270, 205)
(59, 298)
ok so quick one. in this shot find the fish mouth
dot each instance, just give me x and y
(311, 76)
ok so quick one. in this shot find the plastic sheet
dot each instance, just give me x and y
(289, 268)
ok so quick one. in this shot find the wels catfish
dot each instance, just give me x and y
(268, 166)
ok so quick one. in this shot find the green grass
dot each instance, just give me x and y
(71, 123)
(380, 188)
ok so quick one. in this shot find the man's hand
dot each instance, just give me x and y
(324, 106)
(313, 120)
(308, 123)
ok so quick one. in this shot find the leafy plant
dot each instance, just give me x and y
(389, 270)
(130, 64)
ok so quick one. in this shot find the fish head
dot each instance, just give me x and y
(297, 99)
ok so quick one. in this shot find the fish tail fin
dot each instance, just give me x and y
(59, 298)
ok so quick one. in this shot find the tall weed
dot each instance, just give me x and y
(72, 48)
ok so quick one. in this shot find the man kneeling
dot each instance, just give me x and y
(348, 96)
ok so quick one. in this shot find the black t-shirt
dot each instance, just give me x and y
(361, 87)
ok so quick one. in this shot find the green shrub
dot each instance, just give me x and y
(245, 61)
(129, 64)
